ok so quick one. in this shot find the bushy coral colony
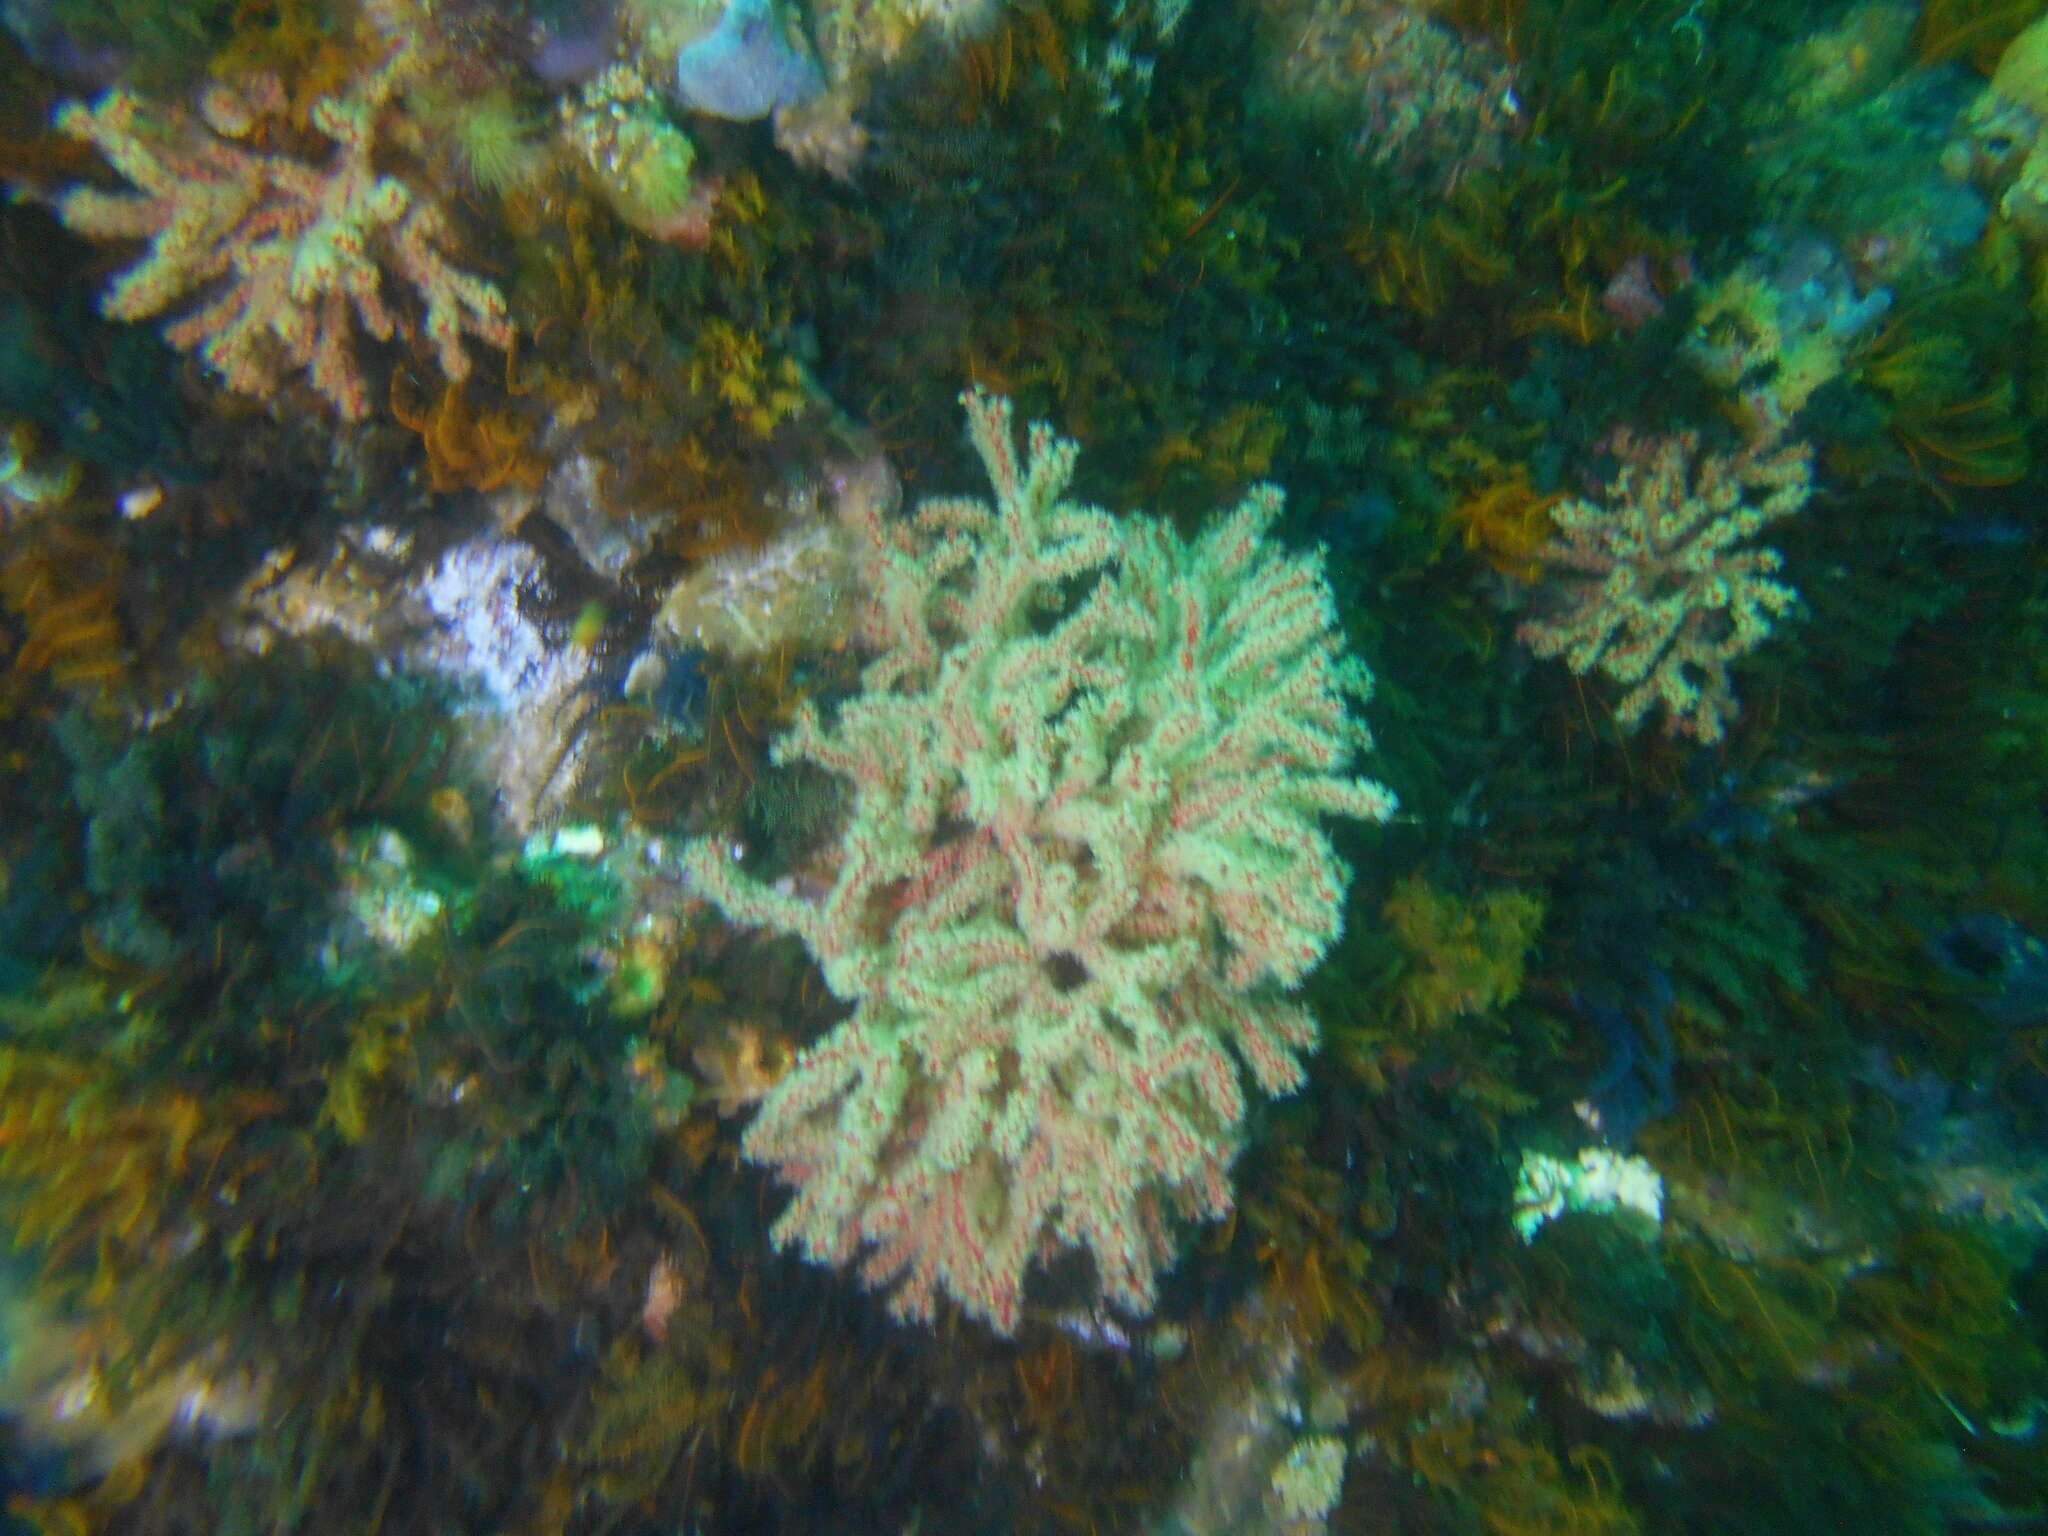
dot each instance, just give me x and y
(1675, 600)
(610, 924)
(1082, 857)
(280, 251)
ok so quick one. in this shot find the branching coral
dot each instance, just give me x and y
(1672, 598)
(1088, 762)
(280, 250)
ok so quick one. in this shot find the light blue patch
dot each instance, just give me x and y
(746, 66)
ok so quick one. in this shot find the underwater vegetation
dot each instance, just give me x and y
(614, 920)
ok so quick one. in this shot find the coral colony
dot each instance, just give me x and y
(281, 252)
(1671, 598)
(1271, 768)
(1087, 764)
